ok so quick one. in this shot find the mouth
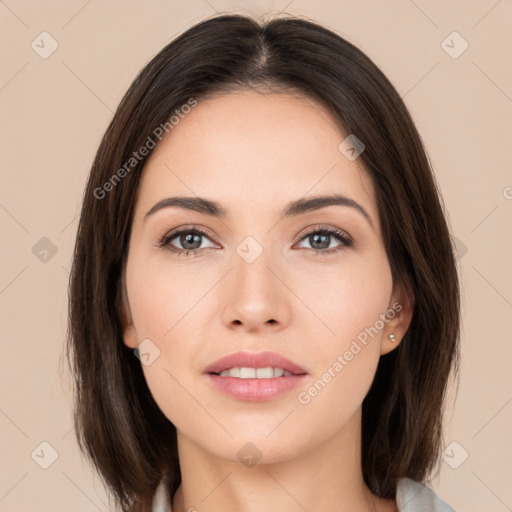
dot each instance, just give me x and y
(250, 377)
(255, 373)
(248, 365)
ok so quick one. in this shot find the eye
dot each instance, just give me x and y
(189, 239)
(320, 240)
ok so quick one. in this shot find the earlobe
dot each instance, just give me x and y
(130, 336)
(402, 303)
(129, 333)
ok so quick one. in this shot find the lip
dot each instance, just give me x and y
(254, 360)
(254, 390)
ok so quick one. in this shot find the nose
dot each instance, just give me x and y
(253, 298)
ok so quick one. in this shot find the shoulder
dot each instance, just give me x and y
(412, 496)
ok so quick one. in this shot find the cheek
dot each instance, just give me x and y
(348, 298)
(163, 311)
(169, 390)
(161, 296)
(166, 308)
(351, 304)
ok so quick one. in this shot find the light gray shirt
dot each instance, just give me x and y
(411, 496)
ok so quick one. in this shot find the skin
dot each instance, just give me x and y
(254, 153)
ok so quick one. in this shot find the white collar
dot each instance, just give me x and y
(411, 496)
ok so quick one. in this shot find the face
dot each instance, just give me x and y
(313, 286)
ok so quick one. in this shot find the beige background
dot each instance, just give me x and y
(54, 112)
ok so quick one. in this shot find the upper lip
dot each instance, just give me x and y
(254, 360)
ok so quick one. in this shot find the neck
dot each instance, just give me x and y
(327, 477)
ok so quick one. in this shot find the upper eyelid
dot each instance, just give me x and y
(343, 236)
(173, 233)
(330, 229)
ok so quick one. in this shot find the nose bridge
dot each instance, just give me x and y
(254, 297)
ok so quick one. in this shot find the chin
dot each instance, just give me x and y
(251, 449)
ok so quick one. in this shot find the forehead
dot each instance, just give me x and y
(255, 147)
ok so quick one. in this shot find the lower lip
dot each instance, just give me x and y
(255, 390)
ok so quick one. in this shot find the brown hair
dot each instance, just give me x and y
(118, 424)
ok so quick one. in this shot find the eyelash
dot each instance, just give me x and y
(336, 233)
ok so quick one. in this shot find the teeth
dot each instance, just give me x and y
(247, 373)
(234, 372)
(255, 373)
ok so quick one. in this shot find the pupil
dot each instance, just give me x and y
(316, 240)
(189, 239)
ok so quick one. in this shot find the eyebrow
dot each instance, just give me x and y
(292, 209)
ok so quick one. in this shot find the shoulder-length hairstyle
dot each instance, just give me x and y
(118, 425)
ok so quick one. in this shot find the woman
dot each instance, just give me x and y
(264, 303)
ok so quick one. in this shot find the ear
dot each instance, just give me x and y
(130, 337)
(399, 314)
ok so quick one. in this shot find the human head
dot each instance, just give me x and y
(119, 423)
